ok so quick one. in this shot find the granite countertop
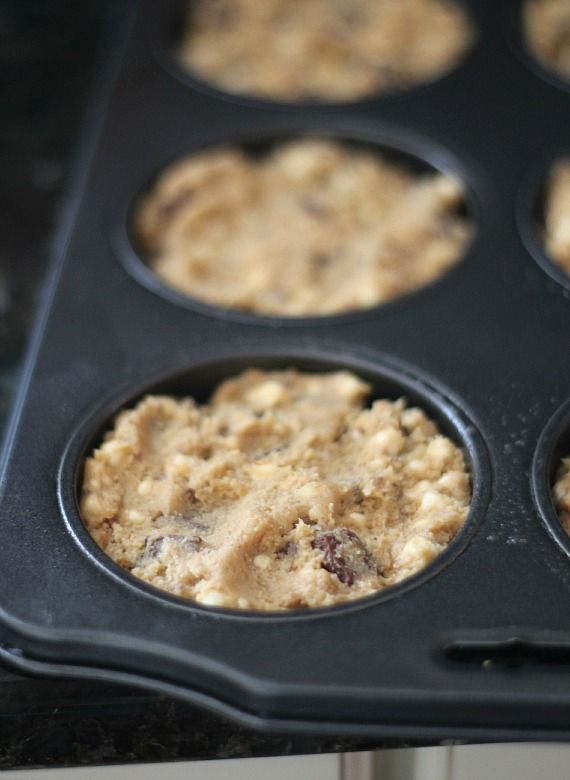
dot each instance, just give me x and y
(47, 55)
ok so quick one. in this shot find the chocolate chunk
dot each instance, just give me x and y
(185, 543)
(344, 555)
(289, 548)
(190, 495)
(185, 521)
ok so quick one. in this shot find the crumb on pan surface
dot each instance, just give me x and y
(547, 29)
(322, 49)
(557, 216)
(283, 491)
(312, 227)
(561, 493)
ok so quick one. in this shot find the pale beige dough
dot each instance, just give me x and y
(283, 491)
(547, 28)
(331, 50)
(557, 216)
(313, 227)
(561, 493)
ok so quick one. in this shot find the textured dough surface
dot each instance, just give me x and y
(283, 491)
(312, 227)
(322, 49)
(547, 27)
(557, 216)
(561, 493)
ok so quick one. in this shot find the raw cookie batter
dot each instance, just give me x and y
(557, 216)
(312, 227)
(283, 491)
(547, 28)
(561, 493)
(332, 50)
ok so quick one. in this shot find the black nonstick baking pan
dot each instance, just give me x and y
(476, 646)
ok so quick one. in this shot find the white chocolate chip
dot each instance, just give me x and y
(431, 502)
(411, 418)
(134, 516)
(417, 553)
(117, 452)
(389, 441)
(91, 504)
(145, 487)
(439, 451)
(214, 598)
(267, 395)
(262, 561)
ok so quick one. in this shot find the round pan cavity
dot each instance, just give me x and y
(388, 379)
(553, 445)
(165, 33)
(531, 209)
(416, 154)
(522, 47)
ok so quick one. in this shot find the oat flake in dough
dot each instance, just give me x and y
(330, 50)
(283, 491)
(314, 227)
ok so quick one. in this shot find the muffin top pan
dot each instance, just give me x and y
(477, 645)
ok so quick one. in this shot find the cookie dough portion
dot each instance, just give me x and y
(322, 49)
(557, 216)
(547, 28)
(313, 227)
(561, 493)
(283, 491)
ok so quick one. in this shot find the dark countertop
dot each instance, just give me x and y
(63, 723)
(47, 55)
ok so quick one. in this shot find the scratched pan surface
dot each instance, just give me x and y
(477, 646)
